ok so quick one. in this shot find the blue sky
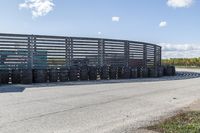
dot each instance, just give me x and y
(174, 24)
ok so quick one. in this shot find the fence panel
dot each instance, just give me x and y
(150, 55)
(114, 52)
(42, 52)
(158, 56)
(136, 54)
(85, 51)
(14, 51)
(49, 52)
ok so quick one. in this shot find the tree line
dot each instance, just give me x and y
(186, 62)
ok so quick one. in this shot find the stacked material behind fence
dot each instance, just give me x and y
(44, 52)
(42, 56)
(15, 51)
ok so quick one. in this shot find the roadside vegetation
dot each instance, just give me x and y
(183, 62)
(188, 122)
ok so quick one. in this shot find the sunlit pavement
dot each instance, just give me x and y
(86, 107)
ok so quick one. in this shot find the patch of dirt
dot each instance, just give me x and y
(143, 131)
(194, 106)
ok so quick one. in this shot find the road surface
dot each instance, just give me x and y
(101, 107)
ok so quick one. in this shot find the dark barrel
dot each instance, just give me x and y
(160, 71)
(173, 70)
(113, 72)
(4, 76)
(64, 75)
(134, 73)
(143, 71)
(84, 73)
(16, 76)
(26, 76)
(73, 73)
(40, 76)
(120, 72)
(152, 72)
(165, 70)
(53, 75)
(126, 72)
(104, 73)
(92, 73)
(169, 71)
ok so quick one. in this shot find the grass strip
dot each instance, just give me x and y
(188, 122)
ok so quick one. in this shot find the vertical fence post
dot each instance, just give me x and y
(126, 53)
(102, 51)
(99, 52)
(34, 50)
(67, 52)
(145, 55)
(30, 52)
(71, 50)
(155, 58)
(160, 52)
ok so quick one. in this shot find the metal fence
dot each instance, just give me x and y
(19, 51)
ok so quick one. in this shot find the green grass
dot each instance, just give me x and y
(182, 123)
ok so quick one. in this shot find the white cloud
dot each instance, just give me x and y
(179, 3)
(99, 33)
(115, 19)
(38, 7)
(163, 24)
(180, 50)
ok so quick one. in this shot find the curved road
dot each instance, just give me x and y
(101, 107)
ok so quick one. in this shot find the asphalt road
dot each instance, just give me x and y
(101, 107)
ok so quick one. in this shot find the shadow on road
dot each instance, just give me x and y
(10, 89)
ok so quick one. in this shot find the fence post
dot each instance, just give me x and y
(126, 53)
(67, 52)
(160, 59)
(71, 50)
(34, 50)
(145, 55)
(155, 58)
(101, 51)
(30, 52)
